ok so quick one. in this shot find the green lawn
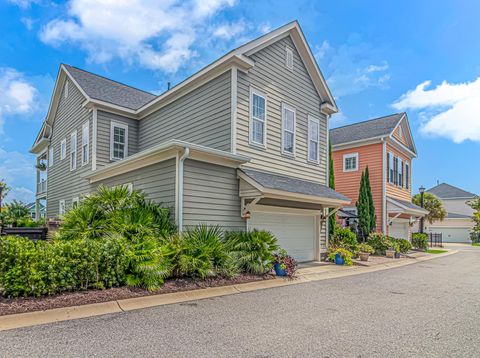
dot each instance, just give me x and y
(434, 251)
(476, 244)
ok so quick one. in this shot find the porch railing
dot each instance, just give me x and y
(42, 187)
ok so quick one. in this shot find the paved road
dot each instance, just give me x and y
(429, 309)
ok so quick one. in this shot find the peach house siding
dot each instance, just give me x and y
(401, 139)
(396, 191)
(348, 183)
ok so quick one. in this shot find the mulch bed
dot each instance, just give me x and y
(68, 299)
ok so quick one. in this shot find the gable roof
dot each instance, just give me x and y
(107, 90)
(447, 191)
(373, 128)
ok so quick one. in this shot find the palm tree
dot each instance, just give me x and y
(436, 211)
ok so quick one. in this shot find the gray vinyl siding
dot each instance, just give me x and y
(281, 85)
(63, 184)
(157, 181)
(202, 117)
(211, 196)
(104, 120)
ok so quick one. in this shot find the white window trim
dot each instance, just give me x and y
(63, 148)
(288, 51)
(250, 136)
(87, 143)
(316, 120)
(347, 156)
(400, 172)
(75, 200)
(391, 178)
(50, 156)
(61, 203)
(406, 175)
(114, 124)
(292, 109)
(73, 149)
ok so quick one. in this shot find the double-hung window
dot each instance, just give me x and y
(63, 148)
(50, 156)
(313, 139)
(400, 172)
(73, 151)
(258, 118)
(61, 207)
(85, 143)
(288, 129)
(407, 175)
(391, 170)
(118, 141)
(350, 162)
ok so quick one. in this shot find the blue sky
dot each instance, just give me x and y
(379, 57)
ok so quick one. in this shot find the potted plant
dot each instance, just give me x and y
(393, 249)
(365, 251)
(341, 256)
(284, 265)
(42, 166)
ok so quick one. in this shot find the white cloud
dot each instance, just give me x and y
(228, 31)
(17, 95)
(28, 22)
(155, 34)
(18, 171)
(450, 110)
(352, 67)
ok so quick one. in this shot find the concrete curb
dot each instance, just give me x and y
(96, 309)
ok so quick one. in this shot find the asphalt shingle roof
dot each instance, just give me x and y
(293, 185)
(372, 128)
(408, 204)
(447, 191)
(106, 90)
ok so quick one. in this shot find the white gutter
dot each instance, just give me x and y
(180, 189)
(384, 186)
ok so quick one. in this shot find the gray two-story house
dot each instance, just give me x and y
(242, 143)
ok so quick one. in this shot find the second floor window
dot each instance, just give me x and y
(350, 162)
(63, 149)
(313, 139)
(395, 171)
(85, 143)
(118, 141)
(61, 207)
(50, 156)
(288, 129)
(407, 175)
(73, 151)
(258, 118)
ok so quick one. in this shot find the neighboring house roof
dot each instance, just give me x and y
(373, 128)
(407, 206)
(107, 90)
(293, 185)
(346, 214)
(447, 191)
(457, 216)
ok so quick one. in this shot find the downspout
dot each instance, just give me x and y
(180, 188)
(327, 182)
(384, 186)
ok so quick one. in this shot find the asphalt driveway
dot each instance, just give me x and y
(428, 309)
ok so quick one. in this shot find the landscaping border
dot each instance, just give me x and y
(309, 274)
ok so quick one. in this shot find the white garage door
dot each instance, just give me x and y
(452, 234)
(295, 233)
(398, 230)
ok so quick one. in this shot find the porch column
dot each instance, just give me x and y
(37, 209)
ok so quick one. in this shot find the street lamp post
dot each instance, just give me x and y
(422, 191)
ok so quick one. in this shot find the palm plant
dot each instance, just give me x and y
(16, 211)
(84, 222)
(253, 250)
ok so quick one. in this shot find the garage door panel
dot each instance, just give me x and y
(295, 233)
(398, 230)
(461, 235)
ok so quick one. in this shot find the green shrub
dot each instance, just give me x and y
(344, 237)
(49, 267)
(404, 245)
(393, 244)
(379, 242)
(366, 249)
(253, 250)
(420, 241)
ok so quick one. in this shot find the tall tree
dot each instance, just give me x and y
(332, 221)
(436, 211)
(475, 205)
(365, 207)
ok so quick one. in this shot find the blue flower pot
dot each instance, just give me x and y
(278, 270)
(339, 260)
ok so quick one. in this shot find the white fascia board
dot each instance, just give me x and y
(400, 146)
(358, 143)
(164, 152)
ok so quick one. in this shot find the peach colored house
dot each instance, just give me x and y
(386, 146)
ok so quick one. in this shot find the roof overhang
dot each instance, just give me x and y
(397, 207)
(265, 192)
(165, 151)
